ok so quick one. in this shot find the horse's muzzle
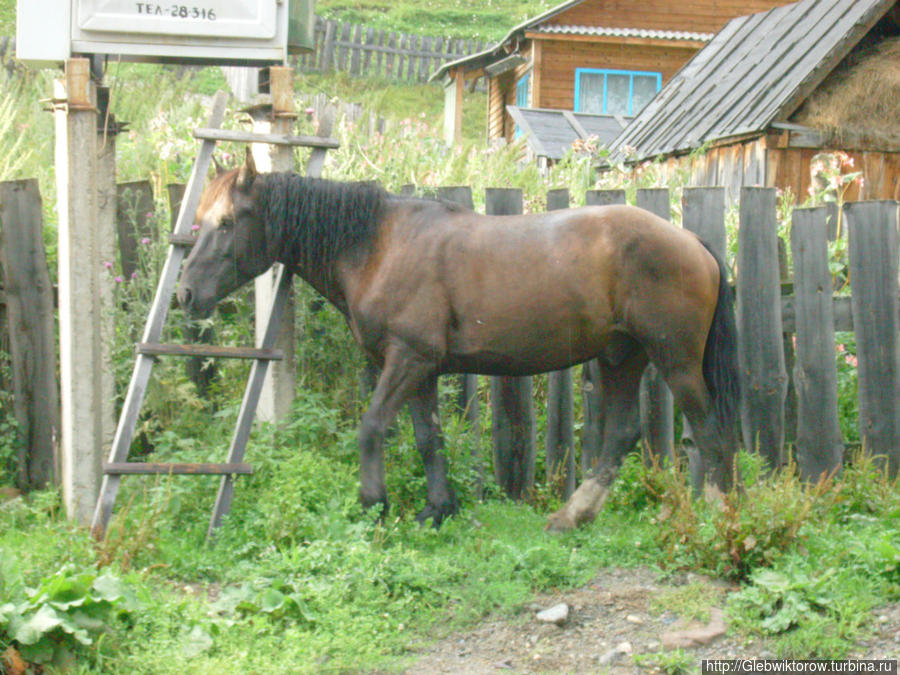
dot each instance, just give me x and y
(189, 303)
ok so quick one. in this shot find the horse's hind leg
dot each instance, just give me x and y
(423, 406)
(715, 446)
(404, 371)
(621, 430)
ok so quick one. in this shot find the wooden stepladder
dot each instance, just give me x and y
(150, 347)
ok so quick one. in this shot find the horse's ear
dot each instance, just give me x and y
(247, 172)
(219, 168)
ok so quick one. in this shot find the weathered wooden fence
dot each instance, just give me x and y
(363, 51)
(810, 315)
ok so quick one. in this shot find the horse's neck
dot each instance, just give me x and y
(327, 285)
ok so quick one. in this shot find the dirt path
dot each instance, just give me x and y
(620, 615)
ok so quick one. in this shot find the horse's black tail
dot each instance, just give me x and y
(720, 358)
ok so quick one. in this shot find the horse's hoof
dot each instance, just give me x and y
(559, 522)
(437, 513)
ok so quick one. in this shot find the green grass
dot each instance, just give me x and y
(488, 21)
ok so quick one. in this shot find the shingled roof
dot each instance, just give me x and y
(757, 70)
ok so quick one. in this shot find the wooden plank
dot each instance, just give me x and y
(703, 213)
(343, 49)
(328, 61)
(270, 139)
(391, 55)
(874, 255)
(207, 351)
(175, 192)
(560, 459)
(153, 329)
(424, 61)
(760, 350)
(655, 400)
(185, 240)
(31, 331)
(134, 222)
(367, 56)
(184, 469)
(819, 446)
(283, 285)
(512, 408)
(355, 55)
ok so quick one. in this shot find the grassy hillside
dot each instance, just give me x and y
(488, 20)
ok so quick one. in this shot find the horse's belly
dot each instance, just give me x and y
(523, 347)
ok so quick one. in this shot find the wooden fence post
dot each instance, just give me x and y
(872, 229)
(703, 213)
(591, 387)
(760, 350)
(656, 405)
(560, 404)
(511, 397)
(32, 339)
(819, 446)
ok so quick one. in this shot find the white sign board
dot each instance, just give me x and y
(207, 18)
(241, 32)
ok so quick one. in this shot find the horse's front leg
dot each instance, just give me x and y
(423, 405)
(403, 372)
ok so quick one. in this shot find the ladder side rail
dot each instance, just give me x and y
(143, 365)
(251, 399)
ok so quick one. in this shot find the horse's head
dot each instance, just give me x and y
(231, 244)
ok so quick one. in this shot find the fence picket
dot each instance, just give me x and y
(760, 353)
(819, 447)
(872, 229)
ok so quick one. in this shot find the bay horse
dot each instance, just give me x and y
(428, 287)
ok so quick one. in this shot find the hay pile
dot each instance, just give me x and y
(861, 97)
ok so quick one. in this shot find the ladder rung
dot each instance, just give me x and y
(271, 139)
(210, 351)
(120, 468)
(182, 240)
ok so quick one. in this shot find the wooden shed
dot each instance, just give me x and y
(774, 89)
(605, 57)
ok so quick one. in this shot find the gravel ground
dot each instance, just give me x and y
(609, 623)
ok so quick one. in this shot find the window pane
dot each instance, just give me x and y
(617, 87)
(591, 93)
(644, 90)
(522, 92)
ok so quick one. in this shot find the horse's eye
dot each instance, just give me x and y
(226, 223)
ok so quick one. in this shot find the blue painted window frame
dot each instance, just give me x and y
(607, 71)
(522, 87)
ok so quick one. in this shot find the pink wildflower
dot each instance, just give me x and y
(108, 265)
(145, 241)
(118, 280)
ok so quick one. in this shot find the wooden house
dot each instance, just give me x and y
(601, 57)
(773, 90)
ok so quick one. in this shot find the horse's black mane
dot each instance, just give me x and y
(312, 222)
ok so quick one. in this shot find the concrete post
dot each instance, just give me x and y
(274, 114)
(105, 241)
(80, 267)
